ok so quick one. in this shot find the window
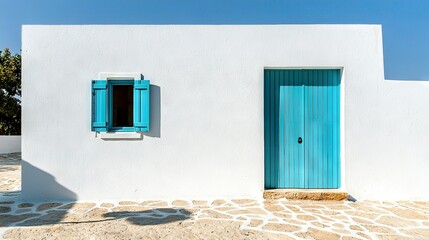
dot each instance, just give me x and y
(120, 105)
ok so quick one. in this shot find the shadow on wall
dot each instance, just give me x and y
(50, 189)
(155, 112)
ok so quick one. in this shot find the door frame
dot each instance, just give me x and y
(342, 117)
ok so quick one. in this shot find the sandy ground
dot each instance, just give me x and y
(203, 219)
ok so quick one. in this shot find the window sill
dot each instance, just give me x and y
(119, 135)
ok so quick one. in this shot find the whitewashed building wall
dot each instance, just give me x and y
(207, 138)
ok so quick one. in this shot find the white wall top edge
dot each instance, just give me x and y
(119, 76)
(193, 25)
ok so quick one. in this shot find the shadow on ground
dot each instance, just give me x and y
(59, 215)
(151, 217)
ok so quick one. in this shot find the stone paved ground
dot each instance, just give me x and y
(214, 219)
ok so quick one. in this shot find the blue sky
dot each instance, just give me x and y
(405, 22)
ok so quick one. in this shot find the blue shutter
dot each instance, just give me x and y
(141, 105)
(99, 106)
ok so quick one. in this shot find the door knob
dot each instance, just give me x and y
(299, 140)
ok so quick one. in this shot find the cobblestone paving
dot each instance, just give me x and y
(10, 172)
(203, 219)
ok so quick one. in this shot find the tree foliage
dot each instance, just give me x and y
(10, 93)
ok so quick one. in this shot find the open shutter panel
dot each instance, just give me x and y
(141, 105)
(99, 106)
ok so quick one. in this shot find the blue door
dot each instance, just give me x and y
(302, 128)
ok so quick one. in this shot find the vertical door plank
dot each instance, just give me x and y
(267, 132)
(282, 124)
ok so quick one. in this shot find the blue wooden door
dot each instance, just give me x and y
(302, 137)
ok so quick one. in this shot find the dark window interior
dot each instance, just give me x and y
(122, 106)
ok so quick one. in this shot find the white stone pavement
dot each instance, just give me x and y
(204, 219)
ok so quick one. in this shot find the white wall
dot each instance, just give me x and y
(387, 145)
(10, 144)
(210, 88)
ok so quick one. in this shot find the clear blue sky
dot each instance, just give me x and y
(405, 22)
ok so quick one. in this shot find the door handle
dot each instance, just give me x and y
(299, 140)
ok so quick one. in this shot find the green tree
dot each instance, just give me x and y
(10, 93)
